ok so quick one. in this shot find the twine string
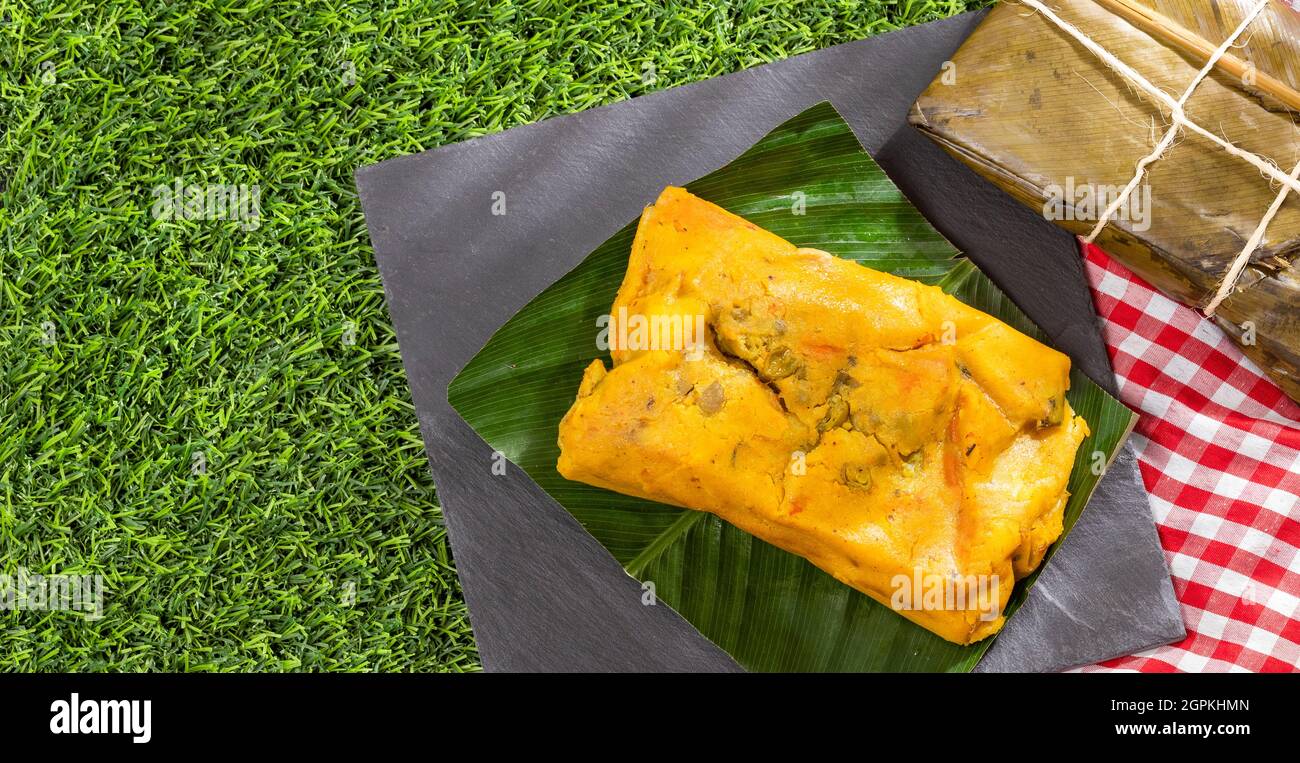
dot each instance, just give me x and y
(1239, 264)
(1179, 121)
(1179, 117)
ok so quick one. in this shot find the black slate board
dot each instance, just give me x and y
(542, 593)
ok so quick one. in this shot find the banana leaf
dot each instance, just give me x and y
(1047, 121)
(810, 181)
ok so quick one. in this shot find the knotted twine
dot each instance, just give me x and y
(1179, 121)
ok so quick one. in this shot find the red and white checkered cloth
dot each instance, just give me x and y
(1218, 445)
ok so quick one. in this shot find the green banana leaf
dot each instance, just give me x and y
(769, 609)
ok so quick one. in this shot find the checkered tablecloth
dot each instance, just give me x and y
(1218, 445)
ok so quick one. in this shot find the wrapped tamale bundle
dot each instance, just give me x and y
(913, 447)
(1041, 114)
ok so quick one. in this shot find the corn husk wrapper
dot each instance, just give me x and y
(1046, 120)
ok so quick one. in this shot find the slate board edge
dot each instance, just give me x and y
(365, 174)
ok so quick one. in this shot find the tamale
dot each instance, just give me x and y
(876, 426)
(1038, 114)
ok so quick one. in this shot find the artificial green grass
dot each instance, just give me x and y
(306, 536)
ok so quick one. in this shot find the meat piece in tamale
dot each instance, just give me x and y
(888, 433)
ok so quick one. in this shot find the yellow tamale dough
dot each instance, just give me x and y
(874, 425)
